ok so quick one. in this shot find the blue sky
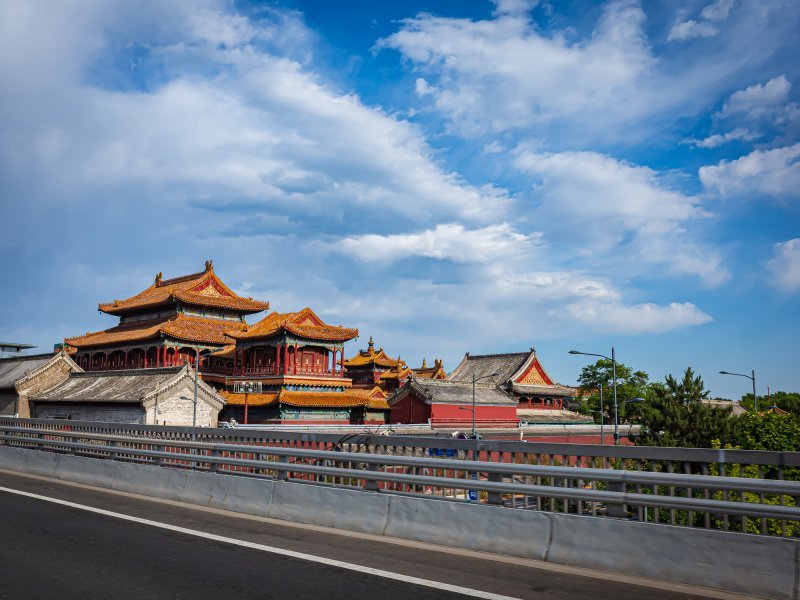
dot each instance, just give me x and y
(445, 176)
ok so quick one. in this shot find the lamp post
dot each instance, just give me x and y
(751, 377)
(474, 380)
(602, 418)
(613, 360)
(194, 408)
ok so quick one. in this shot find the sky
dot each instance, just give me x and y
(446, 176)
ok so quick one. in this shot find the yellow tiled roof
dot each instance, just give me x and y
(266, 399)
(198, 289)
(371, 357)
(181, 327)
(304, 323)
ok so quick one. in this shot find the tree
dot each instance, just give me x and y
(673, 414)
(788, 401)
(767, 432)
(630, 384)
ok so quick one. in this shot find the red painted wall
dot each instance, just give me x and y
(459, 415)
(410, 410)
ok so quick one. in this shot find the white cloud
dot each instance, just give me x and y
(759, 100)
(423, 88)
(763, 172)
(224, 118)
(718, 10)
(784, 266)
(612, 208)
(715, 12)
(691, 29)
(639, 318)
(719, 139)
(446, 241)
(514, 7)
(504, 73)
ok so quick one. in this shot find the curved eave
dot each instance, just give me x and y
(243, 306)
(119, 310)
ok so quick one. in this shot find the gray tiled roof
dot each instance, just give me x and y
(441, 391)
(484, 365)
(544, 390)
(14, 369)
(552, 416)
(109, 386)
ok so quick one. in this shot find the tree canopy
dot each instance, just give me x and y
(674, 415)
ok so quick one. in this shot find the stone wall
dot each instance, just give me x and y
(176, 406)
(48, 376)
(120, 413)
(8, 401)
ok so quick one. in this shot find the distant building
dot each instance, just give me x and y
(735, 408)
(435, 372)
(367, 367)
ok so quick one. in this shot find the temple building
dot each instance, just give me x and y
(435, 372)
(166, 324)
(370, 368)
(367, 367)
(287, 367)
(539, 398)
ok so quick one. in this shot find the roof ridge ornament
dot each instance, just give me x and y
(209, 265)
(159, 276)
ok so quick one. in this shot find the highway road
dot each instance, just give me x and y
(71, 541)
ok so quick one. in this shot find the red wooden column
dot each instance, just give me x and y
(126, 359)
(296, 347)
(341, 362)
(286, 358)
(333, 363)
(277, 359)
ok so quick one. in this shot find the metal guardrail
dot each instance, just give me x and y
(469, 470)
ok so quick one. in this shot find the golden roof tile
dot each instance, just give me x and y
(304, 323)
(369, 357)
(180, 327)
(197, 289)
(265, 399)
(348, 399)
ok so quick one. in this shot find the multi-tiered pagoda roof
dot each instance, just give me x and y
(195, 309)
(203, 290)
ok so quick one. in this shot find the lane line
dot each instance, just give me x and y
(438, 585)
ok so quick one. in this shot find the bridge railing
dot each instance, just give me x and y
(734, 490)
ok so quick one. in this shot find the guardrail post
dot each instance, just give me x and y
(157, 460)
(213, 466)
(495, 497)
(616, 509)
(284, 474)
(112, 454)
(371, 485)
(40, 446)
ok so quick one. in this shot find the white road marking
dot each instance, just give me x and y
(438, 585)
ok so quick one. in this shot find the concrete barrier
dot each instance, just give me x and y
(473, 526)
(353, 510)
(758, 565)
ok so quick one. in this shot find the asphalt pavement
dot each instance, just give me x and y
(160, 549)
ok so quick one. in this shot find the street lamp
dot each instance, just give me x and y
(613, 360)
(474, 380)
(751, 377)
